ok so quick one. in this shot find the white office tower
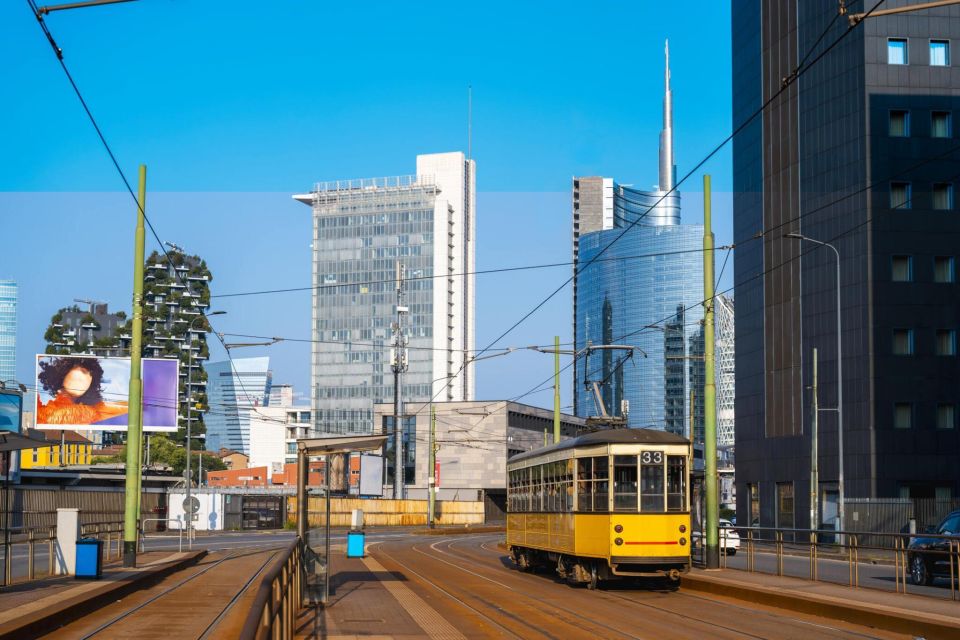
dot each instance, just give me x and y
(361, 229)
(235, 390)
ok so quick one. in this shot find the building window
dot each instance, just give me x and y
(946, 342)
(941, 124)
(900, 195)
(943, 269)
(897, 51)
(943, 196)
(754, 491)
(902, 269)
(939, 53)
(899, 123)
(36, 456)
(903, 342)
(785, 505)
(946, 416)
(902, 415)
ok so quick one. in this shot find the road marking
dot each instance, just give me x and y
(432, 623)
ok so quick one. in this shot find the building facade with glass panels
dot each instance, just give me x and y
(645, 291)
(235, 390)
(362, 230)
(8, 330)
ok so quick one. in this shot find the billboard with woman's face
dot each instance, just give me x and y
(90, 392)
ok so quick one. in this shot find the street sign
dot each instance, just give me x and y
(191, 504)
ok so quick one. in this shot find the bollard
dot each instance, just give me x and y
(51, 538)
(30, 555)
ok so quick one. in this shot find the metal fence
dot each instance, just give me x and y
(273, 613)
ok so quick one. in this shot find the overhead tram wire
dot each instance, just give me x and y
(116, 165)
(788, 81)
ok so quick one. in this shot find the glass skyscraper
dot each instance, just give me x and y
(234, 391)
(639, 282)
(362, 229)
(8, 330)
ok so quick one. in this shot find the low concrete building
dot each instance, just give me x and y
(474, 440)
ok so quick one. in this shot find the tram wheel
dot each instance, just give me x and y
(594, 580)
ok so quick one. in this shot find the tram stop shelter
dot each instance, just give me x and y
(317, 584)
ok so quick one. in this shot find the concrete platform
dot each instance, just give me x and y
(34, 608)
(901, 613)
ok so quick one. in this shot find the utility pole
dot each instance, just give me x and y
(399, 363)
(432, 469)
(556, 389)
(814, 451)
(709, 389)
(131, 515)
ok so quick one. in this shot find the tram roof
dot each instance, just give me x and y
(607, 436)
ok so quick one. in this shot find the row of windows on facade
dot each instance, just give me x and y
(900, 124)
(901, 196)
(905, 415)
(406, 212)
(898, 52)
(552, 487)
(945, 343)
(944, 269)
(379, 393)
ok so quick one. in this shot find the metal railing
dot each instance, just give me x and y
(273, 613)
(180, 528)
(35, 537)
(855, 549)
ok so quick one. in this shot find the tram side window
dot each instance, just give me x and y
(601, 483)
(651, 481)
(536, 482)
(549, 487)
(625, 483)
(585, 484)
(676, 483)
(567, 494)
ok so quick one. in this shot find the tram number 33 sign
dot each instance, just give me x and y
(651, 457)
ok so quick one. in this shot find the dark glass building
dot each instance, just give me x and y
(639, 282)
(858, 153)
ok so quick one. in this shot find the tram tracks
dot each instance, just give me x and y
(711, 622)
(105, 630)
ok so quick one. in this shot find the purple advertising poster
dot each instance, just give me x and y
(90, 392)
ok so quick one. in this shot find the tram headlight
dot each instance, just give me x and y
(618, 528)
(683, 528)
(683, 542)
(618, 541)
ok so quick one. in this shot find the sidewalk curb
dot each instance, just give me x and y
(884, 617)
(51, 618)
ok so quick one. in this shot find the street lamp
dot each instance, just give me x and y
(839, 408)
(186, 502)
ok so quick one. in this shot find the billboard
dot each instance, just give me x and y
(91, 392)
(11, 410)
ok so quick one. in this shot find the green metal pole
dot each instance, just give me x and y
(709, 390)
(135, 413)
(556, 389)
(432, 470)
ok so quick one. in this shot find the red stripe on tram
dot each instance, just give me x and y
(645, 542)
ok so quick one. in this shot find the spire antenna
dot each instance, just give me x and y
(668, 170)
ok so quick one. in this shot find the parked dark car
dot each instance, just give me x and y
(929, 557)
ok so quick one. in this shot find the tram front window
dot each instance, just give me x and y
(651, 481)
(676, 477)
(625, 483)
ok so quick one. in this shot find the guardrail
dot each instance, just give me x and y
(273, 614)
(940, 559)
(180, 528)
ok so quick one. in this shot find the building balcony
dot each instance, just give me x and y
(161, 267)
(198, 278)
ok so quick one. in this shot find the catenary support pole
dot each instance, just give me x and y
(432, 469)
(302, 512)
(710, 390)
(135, 412)
(326, 542)
(814, 451)
(556, 389)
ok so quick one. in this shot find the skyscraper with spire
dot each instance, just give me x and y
(638, 282)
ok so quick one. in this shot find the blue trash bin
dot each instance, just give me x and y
(355, 542)
(89, 559)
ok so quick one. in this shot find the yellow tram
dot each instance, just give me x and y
(605, 504)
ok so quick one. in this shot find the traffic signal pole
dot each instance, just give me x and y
(131, 507)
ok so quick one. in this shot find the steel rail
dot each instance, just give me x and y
(169, 590)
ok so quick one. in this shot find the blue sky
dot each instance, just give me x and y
(236, 105)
